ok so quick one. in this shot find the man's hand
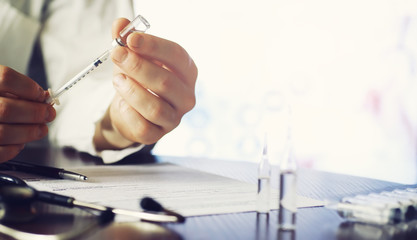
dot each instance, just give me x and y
(155, 82)
(23, 113)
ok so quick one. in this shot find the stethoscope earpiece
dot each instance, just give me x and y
(150, 204)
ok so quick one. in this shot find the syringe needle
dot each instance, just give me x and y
(54, 96)
(139, 24)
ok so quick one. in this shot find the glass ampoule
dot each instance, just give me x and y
(288, 187)
(264, 181)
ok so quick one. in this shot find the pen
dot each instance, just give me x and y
(41, 170)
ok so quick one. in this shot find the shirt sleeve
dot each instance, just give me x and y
(70, 42)
(18, 33)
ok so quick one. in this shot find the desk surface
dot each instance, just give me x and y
(312, 223)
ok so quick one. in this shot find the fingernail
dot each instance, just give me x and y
(41, 94)
(41, 131)
(136, 40)
(119, 54)
(123, 106)
(49, 114)
(119, 80)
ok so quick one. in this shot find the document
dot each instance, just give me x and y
(187, 191)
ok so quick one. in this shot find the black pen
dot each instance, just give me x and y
(41, 170)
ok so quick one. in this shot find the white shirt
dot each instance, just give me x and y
(72, 34)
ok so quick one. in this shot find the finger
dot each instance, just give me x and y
(20, 134)
(132, 125)
(161, 81)
(10, 151)
(21, 111)
(118, 26)
(169, 53)
(149, 106)
(19, 85)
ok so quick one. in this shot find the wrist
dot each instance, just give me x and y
(107, 137)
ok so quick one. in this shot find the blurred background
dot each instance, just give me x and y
(348, 69)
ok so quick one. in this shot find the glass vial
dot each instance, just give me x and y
(288, 188)
(264, 179)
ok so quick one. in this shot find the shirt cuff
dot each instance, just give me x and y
(112, 156)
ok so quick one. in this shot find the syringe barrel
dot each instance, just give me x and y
(54, 96)
(139, 24)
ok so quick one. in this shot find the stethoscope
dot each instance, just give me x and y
(17, 199)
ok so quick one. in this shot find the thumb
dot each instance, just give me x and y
(118, 26)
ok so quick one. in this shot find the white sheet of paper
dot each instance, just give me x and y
(187, 191)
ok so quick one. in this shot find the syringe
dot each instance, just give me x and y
(139, 24)
(368, 213)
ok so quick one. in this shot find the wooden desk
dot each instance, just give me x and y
(312, 223)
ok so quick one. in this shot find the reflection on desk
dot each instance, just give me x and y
(51, 222)
(312, 223)
(55, 222)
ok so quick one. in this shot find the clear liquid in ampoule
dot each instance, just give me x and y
(287, 200)
(263, 194)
